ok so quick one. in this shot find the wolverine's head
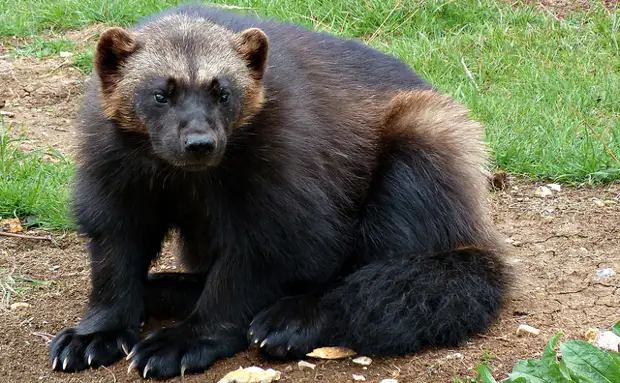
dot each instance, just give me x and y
(186, 83)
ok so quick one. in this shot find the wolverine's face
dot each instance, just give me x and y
(185, 83)
(189, 124)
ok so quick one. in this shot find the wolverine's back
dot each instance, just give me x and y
(302, 52)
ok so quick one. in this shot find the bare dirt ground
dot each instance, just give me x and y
(559, 243)
(561, 8)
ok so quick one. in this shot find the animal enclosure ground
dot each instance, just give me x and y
(559, 243)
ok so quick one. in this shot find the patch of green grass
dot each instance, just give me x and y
(33, 184)
(83, 61)
(12, 286)
(351, 17)
(40, 47)
(545, 89)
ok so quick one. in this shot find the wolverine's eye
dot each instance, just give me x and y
(160, 98)
(224, 95)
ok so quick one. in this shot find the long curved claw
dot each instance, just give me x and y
(131, 354)
(131, 367)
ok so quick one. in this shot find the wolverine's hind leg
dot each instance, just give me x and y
(428, 262)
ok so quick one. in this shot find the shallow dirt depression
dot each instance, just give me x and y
(558, 244)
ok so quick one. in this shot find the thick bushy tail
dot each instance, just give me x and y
(403, 305)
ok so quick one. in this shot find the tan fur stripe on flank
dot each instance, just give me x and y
(433, 116)
(435, 121)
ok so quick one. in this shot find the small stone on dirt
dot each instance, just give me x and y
(331, 353)
(303, 365)
(554, 187)
(19, 306)
(599, 202)
(389, 381)
(363, 360)
(65, 54)
(7, 114)
(543, 191)
(527, 330)
(605, 273)
(608, 341)
(11, 225)
(456, 355)
(251, 375)
(605, 340)
(359, 378)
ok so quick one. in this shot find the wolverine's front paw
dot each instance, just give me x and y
(289, 329)
(178, 351)
(71, 350)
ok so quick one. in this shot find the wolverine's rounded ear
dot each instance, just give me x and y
(253, 45)
(113, 48)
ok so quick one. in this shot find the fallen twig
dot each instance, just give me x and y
(110, 371)
(24, 236)
(46, 336)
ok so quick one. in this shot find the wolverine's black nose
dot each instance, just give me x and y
(199, 143)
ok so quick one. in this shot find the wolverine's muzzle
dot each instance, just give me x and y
(199, 144)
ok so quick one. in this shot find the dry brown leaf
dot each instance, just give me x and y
(11, 225)
(19, 306)
(543, 192)
(331, 353)
(499, 180)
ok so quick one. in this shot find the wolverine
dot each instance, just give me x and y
(322, 192)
